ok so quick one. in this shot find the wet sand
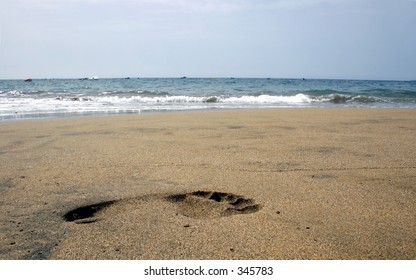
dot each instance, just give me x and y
(246, 184)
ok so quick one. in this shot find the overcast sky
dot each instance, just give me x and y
(347, 39)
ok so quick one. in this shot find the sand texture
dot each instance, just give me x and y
(245, 184)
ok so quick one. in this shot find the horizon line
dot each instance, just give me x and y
(206, 77)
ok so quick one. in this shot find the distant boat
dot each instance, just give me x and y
(28, 80)
(90, 78)
(184, 77)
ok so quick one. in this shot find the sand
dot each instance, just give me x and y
(246, 184)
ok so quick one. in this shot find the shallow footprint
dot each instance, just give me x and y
(210, 205)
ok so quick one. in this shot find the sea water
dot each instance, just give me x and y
(48, 98)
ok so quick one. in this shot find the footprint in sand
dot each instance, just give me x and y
(198, 205)
(85, 214)
(209, 205)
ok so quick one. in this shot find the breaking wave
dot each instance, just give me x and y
(69, 97)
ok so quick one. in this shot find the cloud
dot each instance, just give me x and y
(215, 6)
(133, 14)
(199, 6)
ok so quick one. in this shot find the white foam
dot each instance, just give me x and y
(269, 99)
(80, 104)
(266, 99)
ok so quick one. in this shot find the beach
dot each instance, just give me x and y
(278, 184)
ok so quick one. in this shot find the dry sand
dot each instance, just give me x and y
(246, 184)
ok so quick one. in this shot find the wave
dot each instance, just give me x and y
(261, 99)
(147, 96)
(73, 103)
(12, 93)
(135, 92)
(46, 97)
(299, 98)
(348, 98)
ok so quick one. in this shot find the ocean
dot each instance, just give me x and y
(52, 98)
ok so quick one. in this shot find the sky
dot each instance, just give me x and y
(335, 39)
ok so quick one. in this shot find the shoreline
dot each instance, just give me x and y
(285, 183)
(76, 116)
